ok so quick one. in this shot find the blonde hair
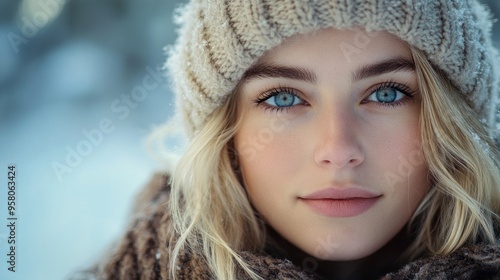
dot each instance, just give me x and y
(210, 209)
(213, 217)
(463, 205)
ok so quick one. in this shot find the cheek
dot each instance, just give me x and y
(394, 141)
(402, 166)
(266, 142)
(269, 157)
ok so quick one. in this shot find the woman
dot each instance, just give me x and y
(327, 139)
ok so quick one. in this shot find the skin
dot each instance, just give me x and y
(331, 130)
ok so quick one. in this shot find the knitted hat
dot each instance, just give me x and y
(220, 39)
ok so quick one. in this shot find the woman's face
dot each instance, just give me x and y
(329, 144)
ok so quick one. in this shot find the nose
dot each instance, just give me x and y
(338, 134)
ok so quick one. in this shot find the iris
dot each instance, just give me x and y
(386, 95)
(283, 99)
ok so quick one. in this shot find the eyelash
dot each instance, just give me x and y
(260, 101)
(401, 87)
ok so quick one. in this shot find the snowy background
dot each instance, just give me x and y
(79, 93)
(78, 144)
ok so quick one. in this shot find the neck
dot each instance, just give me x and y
(373, 266)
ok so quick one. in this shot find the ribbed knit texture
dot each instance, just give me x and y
(220, 39)
(143, 253)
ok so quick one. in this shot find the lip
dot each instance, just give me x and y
(340, 203)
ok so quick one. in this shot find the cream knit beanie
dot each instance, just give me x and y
(220, 39)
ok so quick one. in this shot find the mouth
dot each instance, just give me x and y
(341, 208)
(341, 203)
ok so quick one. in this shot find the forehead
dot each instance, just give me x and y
(348, 47)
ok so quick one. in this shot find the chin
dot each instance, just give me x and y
(345, 252)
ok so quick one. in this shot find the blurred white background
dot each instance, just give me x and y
(80, 89)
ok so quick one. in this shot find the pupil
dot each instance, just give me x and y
(284, 99)
(386, 95)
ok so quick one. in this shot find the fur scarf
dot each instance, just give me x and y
(143, 252)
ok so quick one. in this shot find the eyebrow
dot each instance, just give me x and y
(265, 70)
(383, 67)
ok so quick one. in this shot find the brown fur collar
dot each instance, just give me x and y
(143, 252)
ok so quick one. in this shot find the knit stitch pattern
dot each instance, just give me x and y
(220, 39)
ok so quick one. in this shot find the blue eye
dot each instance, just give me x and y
(386, 95)
(282, 98)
